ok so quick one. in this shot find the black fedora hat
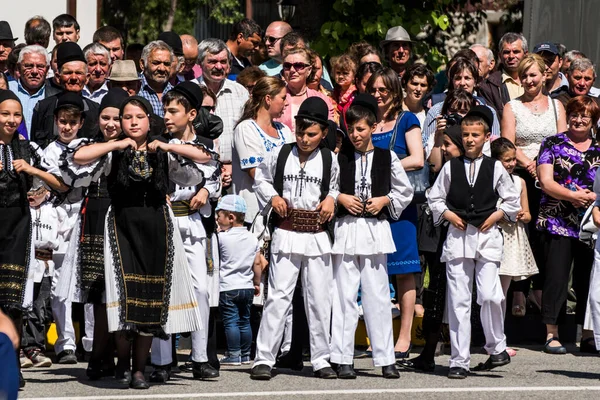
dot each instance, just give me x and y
(315, 109)
(5, 31)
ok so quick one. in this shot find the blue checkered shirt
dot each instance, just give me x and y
(149, 94)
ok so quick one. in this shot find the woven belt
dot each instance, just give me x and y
(43, 255)
(300, 221)
(182, 208)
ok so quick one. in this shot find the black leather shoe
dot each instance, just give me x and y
(390, 372)
(123, 377)
(325, 373)
(203, 370)
(21, 381)
(260, 373)
(285, 362)
(94, 371)
(493, 361)
(66, 357)
(554, 350)
(138, 383)
(416, 364)
(403, 354)
(346, 371)
(457, 373)
(160, 374)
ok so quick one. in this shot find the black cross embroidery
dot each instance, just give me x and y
(37, 224)
(303, 179)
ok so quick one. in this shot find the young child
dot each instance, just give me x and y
(239, 277)
(46, 225)
(300, 182)
(466, 194)
(518, 262)
(373, 186)
(343, 69)
(189, 204)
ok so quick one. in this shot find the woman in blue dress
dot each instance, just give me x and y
(400, 131)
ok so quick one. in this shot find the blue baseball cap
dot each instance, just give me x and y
(546, 46)
(232, 203)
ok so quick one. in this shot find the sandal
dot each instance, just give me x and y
(554, 350)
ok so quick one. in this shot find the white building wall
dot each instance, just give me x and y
(17, 12)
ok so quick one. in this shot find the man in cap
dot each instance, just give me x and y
(156, 63)
(98, 63)
(244, 39)
(549, 52)
(123, 74)
(397, 48)
(191, 69)
(7, 43)
(72, 72)
(504, 84)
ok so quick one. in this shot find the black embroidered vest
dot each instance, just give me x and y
(476, 203)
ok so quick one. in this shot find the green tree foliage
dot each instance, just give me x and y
(142, 20)
(426, 21)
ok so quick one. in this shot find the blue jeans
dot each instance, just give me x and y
(235, 312)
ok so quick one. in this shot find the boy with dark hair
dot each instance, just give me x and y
(466, 194)
(66, 29)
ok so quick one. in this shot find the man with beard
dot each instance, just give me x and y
(397, 48)
(72, 73)
(549, 52)
(504, 85)
(215, 61)
(30, 88)
(157, 59)
(98, 64)
(581, 76)
(244, 39)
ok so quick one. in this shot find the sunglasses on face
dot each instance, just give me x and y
(271, 39)
(209, 108)
(382, 91)
(298, 66)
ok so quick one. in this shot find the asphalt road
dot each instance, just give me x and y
(532, 374)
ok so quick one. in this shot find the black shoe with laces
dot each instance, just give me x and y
(66, 357)
(161, 374)
(203, 370)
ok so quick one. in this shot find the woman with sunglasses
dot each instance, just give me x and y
(406, 129)
(296, 69)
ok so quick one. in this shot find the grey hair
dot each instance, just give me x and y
(490, 53)
(153, 46)
(511, 37)
(34, 49)
(581, 64)
(212, 46)
(573, 54)
(97, 48)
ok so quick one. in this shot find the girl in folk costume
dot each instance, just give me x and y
(373, 187)
(300, 182)
(148, 284)
(82, 272)
(16, 250)
(189, 205)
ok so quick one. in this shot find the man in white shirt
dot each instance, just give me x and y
(98, 61)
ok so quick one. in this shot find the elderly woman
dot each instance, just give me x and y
(526, 121)
(296, 69)
(567, 164)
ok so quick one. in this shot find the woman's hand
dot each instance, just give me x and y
(350, 203)
(279, 205)
(440, 128)
(376, 204)
(582, 198)
(158, 145)
(531, 168)
(326, 209)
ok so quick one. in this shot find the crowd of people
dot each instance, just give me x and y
(148, 189)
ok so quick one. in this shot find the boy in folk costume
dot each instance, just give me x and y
(300, 182)
(373, 186)
(466, 194)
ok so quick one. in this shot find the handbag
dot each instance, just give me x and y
(588, 231)
(419, 178)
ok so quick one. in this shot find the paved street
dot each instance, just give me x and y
(532, 374)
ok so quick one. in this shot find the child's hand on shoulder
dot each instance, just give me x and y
(21, 165)
(376, 204)
(455, 220)
(326, 209)
(125, 143)
(350, 203)
(495, 217)
(279, 205)
(158, 145)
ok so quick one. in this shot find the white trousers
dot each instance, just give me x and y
(286, 345)
(196, 258)
(317, 280)
(594, 298)
(63, 318)
(370, 272)
(88, 340)
(461, 273)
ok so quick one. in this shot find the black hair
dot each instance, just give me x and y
(173, 95)
(291, 39)
(3, 78)
(38, 31)
(501, 146)
(357, 113)
(419, 70)
(246, 27)
(460, 97)
(65, 21)
(71, 111)
(303, 124)
(460, 64)
(476, 120)
(366, 68)
(107, 34)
